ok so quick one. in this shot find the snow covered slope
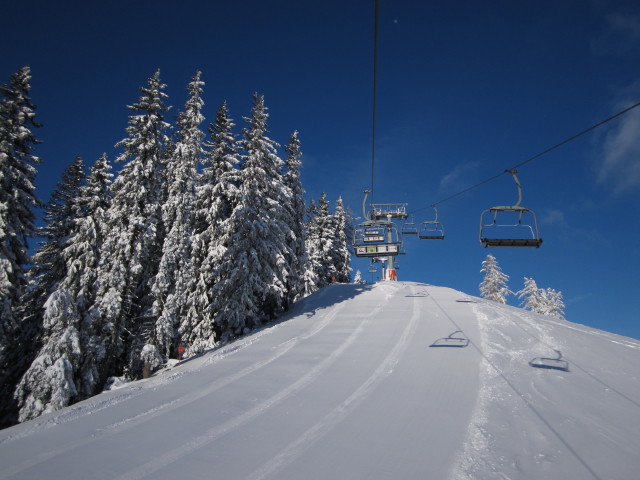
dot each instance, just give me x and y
(348, 387)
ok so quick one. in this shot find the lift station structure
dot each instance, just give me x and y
(378, 236)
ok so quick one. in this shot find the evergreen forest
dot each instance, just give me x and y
(200, 235)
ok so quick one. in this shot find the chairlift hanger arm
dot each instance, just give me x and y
(513, 172)
(365, 214)
(436, 212)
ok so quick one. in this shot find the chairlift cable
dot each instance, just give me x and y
(375, 69)
(530, 159)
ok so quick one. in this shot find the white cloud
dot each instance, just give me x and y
(628, 26)
(621, 33)
(578, 298)
(554, 217)
(620, 163)
(454, 179)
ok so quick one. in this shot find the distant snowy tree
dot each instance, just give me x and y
(553, 303)
(530, 295)
(543, 301)
(17, 203)
(175, 271)
(327, 244)
(131, 250)
(217, 195)
(296, 209)
(313, 249)
(358, 278)
(252, 270)
(494, 285)
(325, 231)
(341, 256)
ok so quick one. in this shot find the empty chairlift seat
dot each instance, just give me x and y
(433, 229)
(511, 226)
(409, 228)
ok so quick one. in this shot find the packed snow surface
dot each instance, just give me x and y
(349, 386)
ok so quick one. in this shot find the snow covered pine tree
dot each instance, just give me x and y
(131, 250)
(48, 271)
(296, 209)
(175, 272)
(313, 249)
(18, 336)
(530, 295)
(494, 285)
(539, 300)
(60, 215)
(65, 369)
(252, 271)
(357, 279)
(342, 233)
(217, 196)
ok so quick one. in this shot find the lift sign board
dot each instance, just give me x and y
(387, 249)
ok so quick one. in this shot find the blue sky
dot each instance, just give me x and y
(465, 90)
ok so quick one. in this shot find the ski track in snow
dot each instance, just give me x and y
(308, 438)
(165, 408)
(95, 404)
(75, 412)
(527, 423)
(478, 460)
(175, 454)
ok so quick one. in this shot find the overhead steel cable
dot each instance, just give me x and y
(375, 75)
(530, 159)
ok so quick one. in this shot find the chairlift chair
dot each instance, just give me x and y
(496, 230)
(551, 363)
(433, 229)
(409, 228)
(452, 340)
